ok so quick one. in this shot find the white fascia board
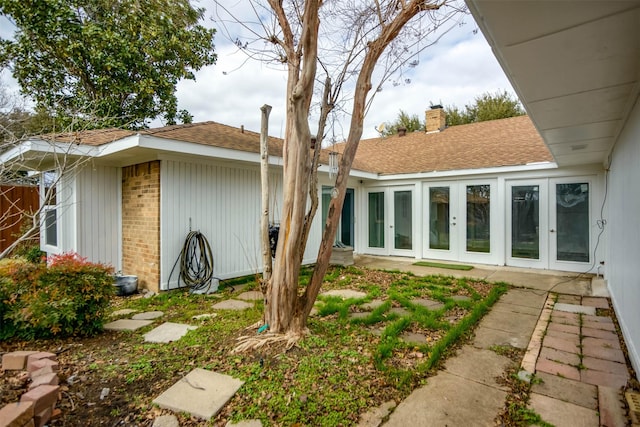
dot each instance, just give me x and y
(118, 145)
(467, 172)
(354, 173)
(182, 147)
(47, 147)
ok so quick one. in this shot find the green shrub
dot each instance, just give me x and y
(67, 297)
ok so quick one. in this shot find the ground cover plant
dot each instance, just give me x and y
(360, 352)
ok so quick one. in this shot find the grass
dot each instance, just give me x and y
(345, 366)
(460, 267)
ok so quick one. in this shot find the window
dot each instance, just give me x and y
(49, 221)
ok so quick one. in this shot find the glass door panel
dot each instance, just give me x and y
(376, 219)
(572, 222)
(525, 221)
(439, 210)
(403, 219)
(478, 218)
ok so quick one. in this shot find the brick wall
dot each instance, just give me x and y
(141, 223)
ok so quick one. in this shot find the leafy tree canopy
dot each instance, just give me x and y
(119, 60)
(487, 106)
(404, 120)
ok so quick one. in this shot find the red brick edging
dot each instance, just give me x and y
(37, 405)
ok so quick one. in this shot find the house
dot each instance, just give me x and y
(556, 189)
(477, 193)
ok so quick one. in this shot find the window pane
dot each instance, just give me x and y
(376, 220)
(572, 222)
(402, 219)
(439, 218)
(525, 242)
(478, 218)
(51, 231)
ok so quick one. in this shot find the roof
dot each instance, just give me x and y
(204, 133)
(505, 142)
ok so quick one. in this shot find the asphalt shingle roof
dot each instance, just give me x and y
(506, 142)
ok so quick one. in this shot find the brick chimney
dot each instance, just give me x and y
(435, 119)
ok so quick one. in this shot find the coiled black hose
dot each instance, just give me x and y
(196, 263)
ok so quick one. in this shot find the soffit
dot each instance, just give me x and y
(574, 64)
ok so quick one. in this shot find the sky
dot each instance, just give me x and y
(453, 72)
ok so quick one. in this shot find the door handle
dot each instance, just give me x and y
(552, 231)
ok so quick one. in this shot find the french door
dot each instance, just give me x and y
(391, 221)
(460, 221)
(548, 223)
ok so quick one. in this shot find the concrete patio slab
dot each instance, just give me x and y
(200, 393)
(488, 337)
(574, 308)
(232, 304)
(413, 338)
(344, 293)
(448, 399)
(244, 423)
(612, 408)
(563, 414)
(510, 322)
(555, 368)
(461, 298)
(560, 356)
(482, 366)
(166, 421)
(597, 302)
(148, 315)
(528, 298)
(251, 296)
(372, 305)
(585, 395)
(400, 311)
(374, 417)
(168, 332)
(430, 304)
(514, 308)
(126, 325)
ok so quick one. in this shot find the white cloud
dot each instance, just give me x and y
(454, 71)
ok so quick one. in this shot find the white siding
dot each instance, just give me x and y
(98, 214)
(623, 203)
(223, 202)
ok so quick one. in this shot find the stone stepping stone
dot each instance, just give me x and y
(359, 315)
(245, 423)
(238, 288)
(375, 416)
(413, 338)
(126, 325)
(251, 296)
(232, 304)
(372, 305)
(166, 421)
(430, 304)
(205, 316)
(168, 332)
(123, 312)
(400, 311)
(148, 315)
(200, 393)
(574, 308)
(345, 293)
(461, 298)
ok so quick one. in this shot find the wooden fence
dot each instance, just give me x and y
(14, 202)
